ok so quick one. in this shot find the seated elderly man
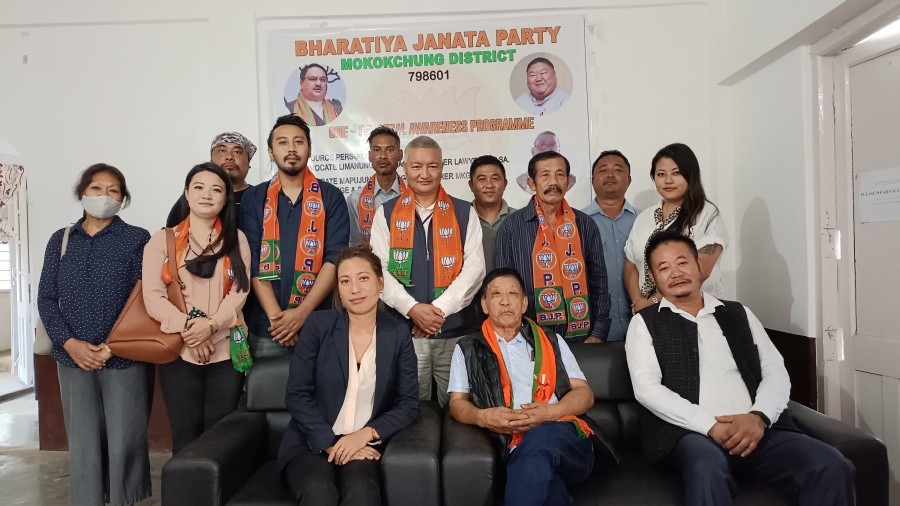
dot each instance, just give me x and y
(550, 441)
(717, 392)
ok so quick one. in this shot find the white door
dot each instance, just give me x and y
(23, 299)
(861, 301)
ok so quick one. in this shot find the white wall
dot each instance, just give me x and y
(146, 86)
(5, 321)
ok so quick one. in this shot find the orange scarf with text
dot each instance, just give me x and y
(559, 273)
(365, 207)
(182, 237)
(446, 248)
(543, 384)
(310, 238)
(303, 109)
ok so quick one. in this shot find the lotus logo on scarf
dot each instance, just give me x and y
(405, 201)
(579, 308)
(311, 243)
(313, 206)
(445, 233)
(443, 206)
(400, 256)
(549, 298)
(367, 235)
(448, 261)
(547, 259)
(267, 212)
(566, 231)
(402, 225)
(571, 268)
(305, 282)
(263, 250)
(368, 202)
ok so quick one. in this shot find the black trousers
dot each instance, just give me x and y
(315, 481)
(198, 396)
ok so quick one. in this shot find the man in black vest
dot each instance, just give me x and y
(549, 438)
(717, 391)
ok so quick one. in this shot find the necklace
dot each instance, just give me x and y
(203, 248)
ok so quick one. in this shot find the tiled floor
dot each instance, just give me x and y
(33, 477)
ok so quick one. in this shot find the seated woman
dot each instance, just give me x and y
(353, 383)
(683, 208)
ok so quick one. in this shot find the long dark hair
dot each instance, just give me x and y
(228, 216)
(695, 198)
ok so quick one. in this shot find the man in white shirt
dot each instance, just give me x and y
(717, 393)
(543, 95)
(430, 244)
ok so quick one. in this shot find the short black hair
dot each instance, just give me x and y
(610, 152)
(546, 155)
(665, 237)
(539, 59)
(486, 160)
(290, 119)
(501, 272)
(306, 68)
(87, 176)
(383, 130)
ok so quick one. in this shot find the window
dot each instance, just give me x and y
(5, 274)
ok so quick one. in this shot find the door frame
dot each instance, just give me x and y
(832, 58)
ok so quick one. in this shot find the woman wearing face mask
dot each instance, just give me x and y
(89, 271)
(213, 262)
(684, 208)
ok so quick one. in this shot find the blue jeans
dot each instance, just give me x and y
(550, 458)
(791, 461)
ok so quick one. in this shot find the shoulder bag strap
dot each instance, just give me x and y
(176, 295)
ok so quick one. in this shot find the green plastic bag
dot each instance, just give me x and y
(240, 350)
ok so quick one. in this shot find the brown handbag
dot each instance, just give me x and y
(136, 335)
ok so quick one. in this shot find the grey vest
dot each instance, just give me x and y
(422, 289)
(676, 344)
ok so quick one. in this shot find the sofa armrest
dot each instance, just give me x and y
(866, 452)
(210, 469)
(471, 462)
(411, 472)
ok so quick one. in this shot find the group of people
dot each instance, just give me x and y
(402, 292)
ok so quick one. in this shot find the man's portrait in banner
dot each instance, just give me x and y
(541, 84)
(316, 93)
(545, 141)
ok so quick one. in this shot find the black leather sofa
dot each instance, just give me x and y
(439, 461)
(234, 462)
(472, 474)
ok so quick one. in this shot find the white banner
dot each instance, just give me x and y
(466, 86)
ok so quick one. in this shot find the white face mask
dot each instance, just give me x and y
(101, 206)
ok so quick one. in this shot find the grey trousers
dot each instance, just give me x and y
(433, 357)
(106, 414)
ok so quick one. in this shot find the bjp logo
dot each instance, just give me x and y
(313, 205)
(267, 213)
(402, 225)
(368, 203)
(305, 282)
(400, 255)
(572, 268)
(566, 230)
(448, 261)
(405, 201)
(310, 243)
(445, 232)
(263, 250)
(443, 206)
(548, 299)
(546, 259)
(579, 308)
(367, 234)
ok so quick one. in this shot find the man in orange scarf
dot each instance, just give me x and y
(311, 104)
(384, 155)
(558, 252)
(296, 225)
(430, 244)
(517, 381)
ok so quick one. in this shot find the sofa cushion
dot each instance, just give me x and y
(263, 488)
(267, 384)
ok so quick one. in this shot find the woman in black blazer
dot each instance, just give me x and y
(342, 412)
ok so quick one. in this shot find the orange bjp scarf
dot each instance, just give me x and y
(365, 207)
(182, 237)
(559, 274)
(310, 252)
(302, 109)
(446, 241)
(543, 384)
